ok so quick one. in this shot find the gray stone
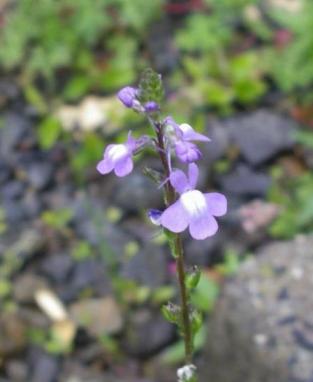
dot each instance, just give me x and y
(45, 367)
(137, 193)
(40, 175)
(147, 267)
(244, 181)
(220, 141)
(16, 128)
(13, 189)
(147, 333)
(57, 267)
(262, 134)
(262, 327)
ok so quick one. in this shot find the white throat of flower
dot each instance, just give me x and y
(193, 202)
(117, 152)
(186, 372)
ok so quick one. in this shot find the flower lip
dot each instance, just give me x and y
(118, 157)
(193, 208)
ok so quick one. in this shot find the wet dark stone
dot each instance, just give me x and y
(220, 141)
(17, 370)
(137, 193)
(304, 338)
(57, 267)
(89, 273)
(15, 130)
(14, 211)
(13, 190)
(147, 267)
(40, 175)
(5, 171)
(244, 181)
(162, 49)
(45, 367)
(145, 324)
(32, 204)
(262, 134)
(204, 252)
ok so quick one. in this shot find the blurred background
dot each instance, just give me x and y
(83, 273)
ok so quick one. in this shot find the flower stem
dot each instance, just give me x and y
(177, 249)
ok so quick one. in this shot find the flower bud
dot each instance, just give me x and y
(171, 312)
(127, 96)
(193, 277)
(151, 107)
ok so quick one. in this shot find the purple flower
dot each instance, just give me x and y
(193, 209)
(127, 96)
(181, 137)
(118, 158)
(187, 152)
(151, 106)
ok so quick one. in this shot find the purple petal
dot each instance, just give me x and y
(187, 152)
(127, 95)
(105, 166)
(190, 134)
(193, 173)
(175, 218)
(216, 203)
(131, 142)
(179, 181)
(124, 166)
(203, 226)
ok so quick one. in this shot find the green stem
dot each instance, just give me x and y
(177, 249)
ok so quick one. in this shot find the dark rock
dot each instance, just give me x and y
(45, 367)
(32, 204)
(16, 370)
(137, 193)
(57, 267)
(145, 324)
(14, 211)
(15, 130)
(24, 246)
(13, 190)
(147, 267)
(5, 171)
(161, 46)
(274, 334)
(204, 252)
(90, 224)
(40, 175)
(89, 273)
(220, 137)
(262, 134)
(8, 89)
(244, 181)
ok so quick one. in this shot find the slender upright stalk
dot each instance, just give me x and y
(177, 249)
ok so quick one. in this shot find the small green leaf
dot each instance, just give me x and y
(171, 313)
(193, 277)
(48, 132)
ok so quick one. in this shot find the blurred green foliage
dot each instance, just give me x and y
(75, 36)
(292, 66)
